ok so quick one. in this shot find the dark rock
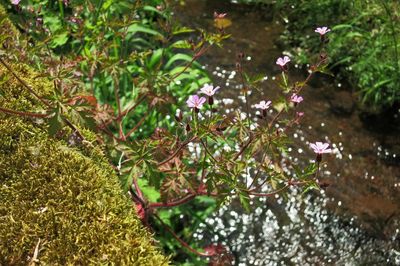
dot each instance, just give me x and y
(342, 103)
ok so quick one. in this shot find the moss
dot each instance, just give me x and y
(63, 202)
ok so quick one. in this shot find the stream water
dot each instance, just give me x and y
(356, 219)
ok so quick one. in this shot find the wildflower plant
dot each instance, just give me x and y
(111, 83)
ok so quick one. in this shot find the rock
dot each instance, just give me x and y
(342, 103)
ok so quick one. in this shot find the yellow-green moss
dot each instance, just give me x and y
(63, 202)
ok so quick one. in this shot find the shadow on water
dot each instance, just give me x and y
(356, 220)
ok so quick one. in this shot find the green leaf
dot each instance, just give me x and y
(150, 192)
(134, 28)
(180, 57)
(182, 30)
(153, 9)
(155, 58)
(181, 44)
(342, 26)
(59, 40)
(55, 123)
(107, 4)
(245, 201)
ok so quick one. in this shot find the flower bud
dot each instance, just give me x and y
(264, 113)
(319, 158)
(179, 116)
(210, 100)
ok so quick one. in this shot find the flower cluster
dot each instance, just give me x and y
(195, 102)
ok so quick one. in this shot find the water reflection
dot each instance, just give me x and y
(299, 231)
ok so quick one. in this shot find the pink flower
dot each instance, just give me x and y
(299, 114)
(320, 148)
(296, 98)
(209, 90)
(15, 2)
(322, 31)
(263, 105)
(283, 61)
(195, 101)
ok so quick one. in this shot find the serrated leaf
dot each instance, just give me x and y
(55, 123)
(59, 40)
(245, 201)
(181, 44)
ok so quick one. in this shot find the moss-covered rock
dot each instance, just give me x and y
(59, 204)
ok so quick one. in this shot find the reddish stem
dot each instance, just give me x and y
(268, 194)
(298, 90)
(183, 243)
(244, 148)
(20, 113)
(181, 201)
(137, 188)
(24, 83)
(197, 55)
(137, 125)
(172, 156)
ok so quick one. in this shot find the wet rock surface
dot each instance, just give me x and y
(342, 103)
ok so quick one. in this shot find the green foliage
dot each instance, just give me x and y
(128, 54)
(364, 42)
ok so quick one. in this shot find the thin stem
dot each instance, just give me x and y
(183, 243)
(207, 150)
(297, 91)
(61, 7)
(137, 125)
(20, 113)
(172, 156)
(24, 83)
(178, 202)
(240, 70)
(317, 172)
(195, 57)
(126, 111)
(270, 193)
(135, 183)
(203, 171)
(66, 121)
(244, 148)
